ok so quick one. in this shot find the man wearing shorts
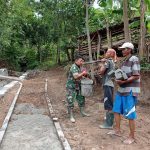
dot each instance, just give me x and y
(126, 96)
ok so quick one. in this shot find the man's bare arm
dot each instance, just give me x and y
(79, 75)
(102, 70)
(132, 78)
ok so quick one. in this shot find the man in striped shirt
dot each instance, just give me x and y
(126, 97)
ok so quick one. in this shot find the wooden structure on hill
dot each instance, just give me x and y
(99, 39)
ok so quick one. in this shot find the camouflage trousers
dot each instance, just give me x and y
(75, 95)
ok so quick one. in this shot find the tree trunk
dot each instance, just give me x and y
(108, 34)
(39, 54)
(98, 45)
(68, 55)
(89, 40)
(126, 21)
(58, 55)
(88, 32)
(142, 30)
(72, 55)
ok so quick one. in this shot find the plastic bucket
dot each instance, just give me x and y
(86, 87)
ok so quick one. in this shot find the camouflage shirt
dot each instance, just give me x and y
(73, 83)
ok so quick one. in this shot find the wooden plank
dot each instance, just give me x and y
(59, 130)
(62, 137)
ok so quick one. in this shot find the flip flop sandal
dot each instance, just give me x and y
(113, 132)
(129, 141)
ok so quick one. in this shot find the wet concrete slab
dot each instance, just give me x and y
(30, 130)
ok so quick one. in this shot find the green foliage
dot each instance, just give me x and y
(145, 66)
(135, 24)
(147, 2)
(31, 32)
(47, 65)
(67, 68)
(147, 20)
(107, 12)
(30, 57)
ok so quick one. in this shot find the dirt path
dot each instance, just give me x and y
(85, 133)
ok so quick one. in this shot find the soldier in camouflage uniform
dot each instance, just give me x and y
(73, 87)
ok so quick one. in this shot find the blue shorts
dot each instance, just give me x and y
(125, 105)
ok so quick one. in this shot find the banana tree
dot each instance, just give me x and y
(108, 12)
(147, 15)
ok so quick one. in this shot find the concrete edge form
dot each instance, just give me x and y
(10, 111)
(7, 118)
(64, 141)
(11, 84)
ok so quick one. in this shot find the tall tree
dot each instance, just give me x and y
(142, 30)
(126, 21)
(87, 30)
(88, 36)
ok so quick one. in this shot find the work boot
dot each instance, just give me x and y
(111, 119)
(108, 123)
(83, 113)
(71, 116)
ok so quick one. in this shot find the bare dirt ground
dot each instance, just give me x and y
(85, 134)
(5, 102)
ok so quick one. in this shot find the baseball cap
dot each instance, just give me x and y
(127, 45)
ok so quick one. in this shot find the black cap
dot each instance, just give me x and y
(78, 56)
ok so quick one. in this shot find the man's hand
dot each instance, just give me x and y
(84, 73)
(129, 80)
(103, 60)
(120, 82)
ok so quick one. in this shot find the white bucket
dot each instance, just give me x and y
(86, 87)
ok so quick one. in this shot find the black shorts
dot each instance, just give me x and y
(108, 97)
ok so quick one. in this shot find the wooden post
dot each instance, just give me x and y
(98, 44)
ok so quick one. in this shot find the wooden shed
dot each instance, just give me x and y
(99, 39)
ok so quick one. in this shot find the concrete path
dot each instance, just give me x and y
(30, 129)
